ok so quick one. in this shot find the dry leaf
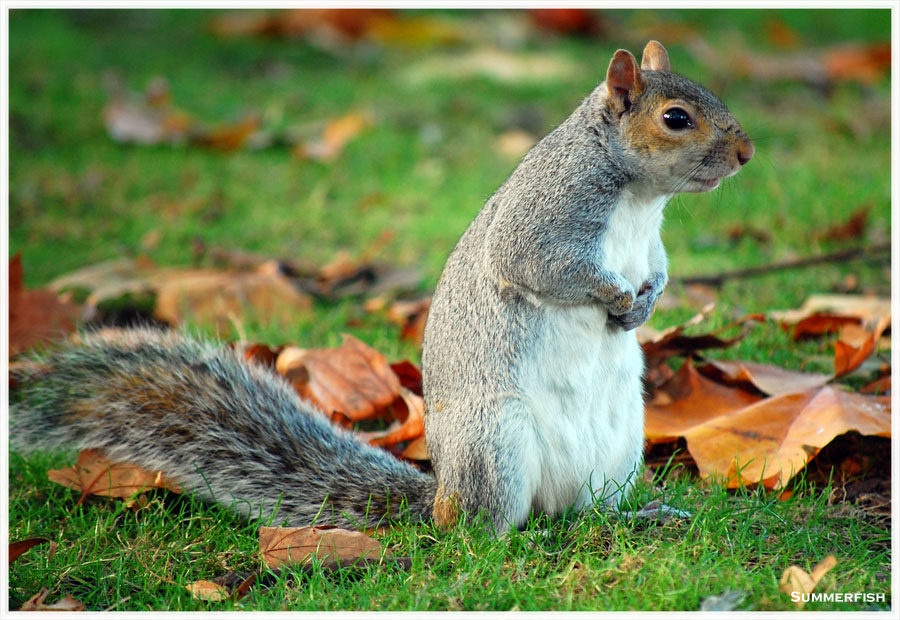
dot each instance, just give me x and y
(850, 352)
(853, 228)
(860, 307)
(412, 427)
(66, 603)
(566, 21)
(207, 591)
(335, 136)
(93, 474)
(218, 298)
(771, 380)
(773, 439)
(416, 450)
(281, 546)
(796, 580)
(352, 379)
(21, 546)
(36, 316)
(501, 66)
(686, 401)
(411, 316)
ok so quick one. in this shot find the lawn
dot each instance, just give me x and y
(422, 169)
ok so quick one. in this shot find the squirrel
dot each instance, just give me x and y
(531, 368)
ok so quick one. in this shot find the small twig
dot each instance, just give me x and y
(717, 279)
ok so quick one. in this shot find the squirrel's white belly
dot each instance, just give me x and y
(584, 402)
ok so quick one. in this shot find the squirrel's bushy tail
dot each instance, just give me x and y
(230, 431)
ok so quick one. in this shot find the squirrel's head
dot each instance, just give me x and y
(677, 134)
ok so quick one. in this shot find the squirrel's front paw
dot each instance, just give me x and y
(621, 303)
(641, 310)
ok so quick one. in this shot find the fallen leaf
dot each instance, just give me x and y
(796, 580)
(207, 591)
(850, 352)
(21, 546)
(860, 307)
(334, 138)
(412, 427)
(66, 603)
(688, 400)
(771, 380)
(352, 379)
(93, 474)
(504, 67)
(282, 546)
(36, 316)
(218, 298)
(411, 316)
(416, 450)
(771, 440)
(566, 21)
(853, 228)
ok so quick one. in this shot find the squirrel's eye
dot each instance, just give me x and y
(676, 118)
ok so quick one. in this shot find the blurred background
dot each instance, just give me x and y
(319, 136)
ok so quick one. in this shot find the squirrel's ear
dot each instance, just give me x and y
(655, 58)
(623, 80)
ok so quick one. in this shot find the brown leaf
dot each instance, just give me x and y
(352, 379)
(221, 298)
(281, 546)
(850, 352)
(771, 380)
(227, 137)
(21, 546)
(688, 400)
(66, 603)
(773, 439)
(93, 474)
(881, 385)
(863, 63)
(412, 427)
(207, 591)
(334, 138)
(853, 228)
(410, 376)
(36, 316)
(411, 316)
(796, 580)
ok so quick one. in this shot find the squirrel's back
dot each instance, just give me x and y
(231, 431)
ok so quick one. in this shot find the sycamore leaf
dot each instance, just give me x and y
(352, 379)
(773, 439)
(66, 603)
(93, 474)
(281, 546)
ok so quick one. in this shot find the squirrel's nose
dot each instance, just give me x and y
(745, 151)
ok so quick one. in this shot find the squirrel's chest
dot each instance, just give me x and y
(627, 241)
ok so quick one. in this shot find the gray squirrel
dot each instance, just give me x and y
(531, 369)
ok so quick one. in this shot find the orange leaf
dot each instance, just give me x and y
(773, 439)
(335, 136)
(281, 546)
(352, 379)
(207, 591)
(411, 428)
(848, 356)
(688, 400)
(93, 474)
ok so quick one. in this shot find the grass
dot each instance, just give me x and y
(76, 198)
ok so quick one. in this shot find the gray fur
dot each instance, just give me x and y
(229, 431)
